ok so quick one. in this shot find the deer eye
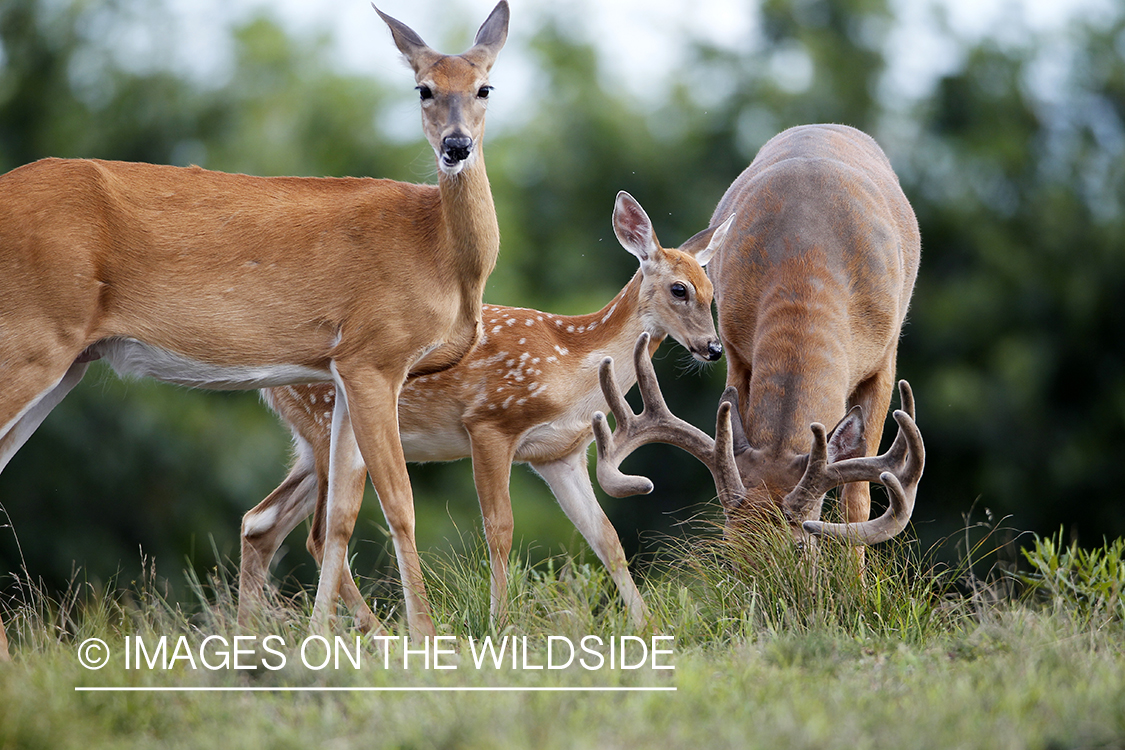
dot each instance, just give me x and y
(679, 291)
(424, 92)
(484, 92)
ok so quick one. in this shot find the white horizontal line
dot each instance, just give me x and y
(324, 689)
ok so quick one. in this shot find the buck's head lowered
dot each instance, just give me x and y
(676, 295)
(453, 89)
(752, 484)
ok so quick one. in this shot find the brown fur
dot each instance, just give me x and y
(812, 289)
(357, 281)
(525, 393)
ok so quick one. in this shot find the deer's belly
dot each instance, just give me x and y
(132, 358)
(438, 443)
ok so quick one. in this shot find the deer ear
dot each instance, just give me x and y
(417, 53)
(846, 440)
(738, 430)
(718, 236)
(703, 245)
(633, 228)
(490, 37)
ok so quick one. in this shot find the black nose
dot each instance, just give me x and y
(457, 147)
(714, 351)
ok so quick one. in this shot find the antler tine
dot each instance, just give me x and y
(728, 480)
(657, 424)
(610, 455)
(902, 487)
(899, 470)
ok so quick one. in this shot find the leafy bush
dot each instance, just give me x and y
(1089, 581)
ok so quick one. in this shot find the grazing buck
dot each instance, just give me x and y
(235, 282)
(524, 394)
(812, 287)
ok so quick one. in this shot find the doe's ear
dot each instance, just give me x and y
(490, 37)
(417, 53)
(846, 440)
(633, 227)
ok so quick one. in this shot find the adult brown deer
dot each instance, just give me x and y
(525, 394)
(812, 287)
(233, 282)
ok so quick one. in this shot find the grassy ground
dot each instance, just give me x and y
(771, 650)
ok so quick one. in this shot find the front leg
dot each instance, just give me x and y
(344, 498)
(492, 453)
(371, 405)
(569, 480)
(365, 620)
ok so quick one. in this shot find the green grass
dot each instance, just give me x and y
(773, 649)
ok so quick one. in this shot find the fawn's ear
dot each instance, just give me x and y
(633, 228)
(417, 53)
(846, 440)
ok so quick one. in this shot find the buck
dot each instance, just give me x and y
(812, 287)
(229, 281)
(524, 394)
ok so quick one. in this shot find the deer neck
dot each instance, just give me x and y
(471, 230)
(471, 242)
(613, 330)
(784, 400)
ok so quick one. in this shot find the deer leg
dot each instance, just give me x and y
(874, 396)
(492, 466)
(265, 527)
(365, 619)
(341, 507)
(371, 407)
(569, 480)
(34, 413)
(22, 411)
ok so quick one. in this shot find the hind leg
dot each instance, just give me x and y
(27, 398)
(35, 411)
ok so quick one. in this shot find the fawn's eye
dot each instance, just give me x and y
(484, 91)
(679, 291)
(425, 93)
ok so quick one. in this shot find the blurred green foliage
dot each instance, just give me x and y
(1014, 342)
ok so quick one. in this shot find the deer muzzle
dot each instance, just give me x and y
(456, 149)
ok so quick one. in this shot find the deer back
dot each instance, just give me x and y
(813, 282)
